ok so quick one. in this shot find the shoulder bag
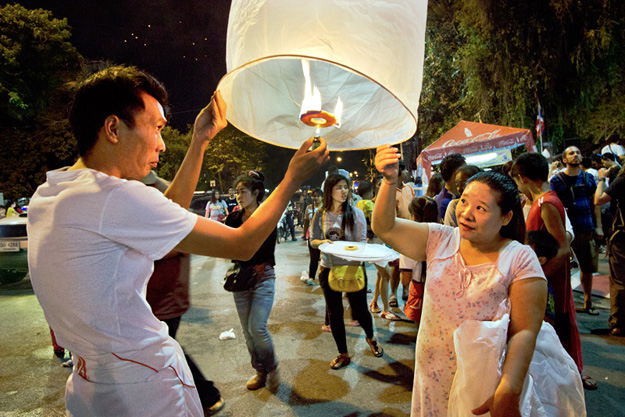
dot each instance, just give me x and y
(240, 277)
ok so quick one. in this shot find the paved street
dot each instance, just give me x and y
(32, 378)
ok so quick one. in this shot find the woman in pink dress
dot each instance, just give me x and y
(471, 271)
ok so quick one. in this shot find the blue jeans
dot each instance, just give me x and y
(253, 307)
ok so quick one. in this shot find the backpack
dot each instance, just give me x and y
(569, 197)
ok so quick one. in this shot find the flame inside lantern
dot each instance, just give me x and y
(311, 113)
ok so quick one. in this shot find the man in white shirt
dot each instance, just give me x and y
(94, 234)
(614, 148)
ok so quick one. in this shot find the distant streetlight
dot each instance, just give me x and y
(339, 159)
(351, 175)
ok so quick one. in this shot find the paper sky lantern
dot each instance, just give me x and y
(348, 69)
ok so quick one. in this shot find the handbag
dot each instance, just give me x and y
(240, 278)
(346, 278)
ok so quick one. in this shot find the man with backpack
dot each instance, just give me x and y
(576, 189)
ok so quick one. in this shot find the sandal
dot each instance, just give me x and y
(326, 328)
(389, 315)
(340, 362)
(588, 383)
(375, 348)
(373, 308)
(616, 331)
(393, 302)
(591, 311)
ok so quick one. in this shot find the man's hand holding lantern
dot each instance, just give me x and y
(211, 120)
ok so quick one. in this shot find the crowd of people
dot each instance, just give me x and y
(120, 251)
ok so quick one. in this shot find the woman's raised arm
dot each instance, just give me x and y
(406, 237)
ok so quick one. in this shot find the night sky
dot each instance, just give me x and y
(182, 43)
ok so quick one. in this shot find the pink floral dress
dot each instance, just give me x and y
(455, 292)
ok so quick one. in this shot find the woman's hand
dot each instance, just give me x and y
(211, 119)
(504, 403)
(386, 162)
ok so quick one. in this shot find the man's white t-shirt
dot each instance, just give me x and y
(92, 242)
(613, 148)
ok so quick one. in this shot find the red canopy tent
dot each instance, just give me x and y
(468, 138)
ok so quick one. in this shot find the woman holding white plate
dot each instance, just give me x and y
(339, 220)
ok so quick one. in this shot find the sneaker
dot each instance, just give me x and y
(257, 381)
(326, 328)
(214, 409)
(273, 380)
(309, 282)
(389, 315)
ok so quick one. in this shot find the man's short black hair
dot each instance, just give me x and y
(609, 156)
(364, 187)
(450, 165)
(543, 243)
(531, 165)
(595, 158)
(114, 91)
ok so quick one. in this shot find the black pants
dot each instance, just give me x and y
(617, 282)
(334, 303)
(206, 390)
(290, 226)
(315, 254)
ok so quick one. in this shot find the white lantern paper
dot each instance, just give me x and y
(367, 53)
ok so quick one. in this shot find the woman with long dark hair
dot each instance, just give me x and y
(216, 209)
(339, 220)
(254, 304)
(474, 271)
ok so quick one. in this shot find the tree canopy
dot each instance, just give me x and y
(491, 60)
(37, 61)
(230, 154)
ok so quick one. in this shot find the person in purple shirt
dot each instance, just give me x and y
(451, 163)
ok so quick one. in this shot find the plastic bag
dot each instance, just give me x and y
(227, 335)
(479, 356)
(552, 386)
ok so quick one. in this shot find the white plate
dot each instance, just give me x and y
(364, 252)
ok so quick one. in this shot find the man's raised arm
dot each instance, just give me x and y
(207, 124)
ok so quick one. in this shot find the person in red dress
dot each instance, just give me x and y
(530, 171)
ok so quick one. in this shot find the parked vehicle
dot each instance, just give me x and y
(13, 249)
(198, 204)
